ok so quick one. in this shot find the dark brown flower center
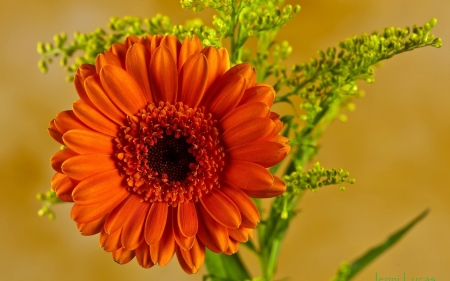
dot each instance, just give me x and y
(170, 152)
(170, 156)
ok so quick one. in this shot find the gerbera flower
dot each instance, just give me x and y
(164, 149)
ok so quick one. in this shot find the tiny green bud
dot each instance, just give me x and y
(433, 22)
(287, 10)
(40, 197)
(43, 211)
(63, 61)
(342, 188)
(437, 43)
(284, 214)
(42, 66)
(58, 41)
(40, 48)
(48, 47)
(343, 118)
(405, 31)
(351, 107)
(370, 80)
(296, 9)
(321, 54)
(278, 12)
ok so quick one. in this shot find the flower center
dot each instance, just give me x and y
(170, 156)
(170, 153)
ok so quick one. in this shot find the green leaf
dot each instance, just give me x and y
(372, 254)
(225, 268)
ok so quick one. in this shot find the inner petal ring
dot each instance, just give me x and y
(170, 153)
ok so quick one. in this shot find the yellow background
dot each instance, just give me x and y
(396, 144)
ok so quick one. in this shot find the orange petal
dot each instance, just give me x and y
(101, 100)
(191, 260)
(239, 234)
(245, 70)
(278, 187)
(63, 187)
(233, 247)
(278, 124)
(54, 132)
(260, 93)
(192, 79)
(99, 188)
(122, 256)
(132, 231)
(143, 255)
(247, 175)
(265, 153)
(67, 120)
(218, 63)
(187, 219)
(182, 261)
(280, 139)
(108, 58)
(156, 222)
(120, 215)
(244, 113)
(56, 179)
(188, 48)
(163, 76)
(221, 208)
(89, 115)
(247, 209)
(59, 157)
(165, 248)
(183, 242)
(85, 70)
(79, 87)
(226, 96)
(122, 89)
(197, 254)
(82, 166)
(156, 41)
(86, 213)
(211, 233)
(248, 131)
(137, 60)
(88, 142)
(110, 242)
(147, 42)
(120, 50)
(130, 40)
(172, 43)
(92, 227)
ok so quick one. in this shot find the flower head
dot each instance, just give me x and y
(164, 149)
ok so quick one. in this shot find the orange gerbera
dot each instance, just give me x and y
(164, 149)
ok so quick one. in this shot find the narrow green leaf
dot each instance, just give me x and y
(373, 253)
(225, 268)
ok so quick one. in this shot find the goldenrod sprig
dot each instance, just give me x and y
(48, 199)
(89, 45)
(315, 178)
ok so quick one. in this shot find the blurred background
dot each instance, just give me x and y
(396, 144)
